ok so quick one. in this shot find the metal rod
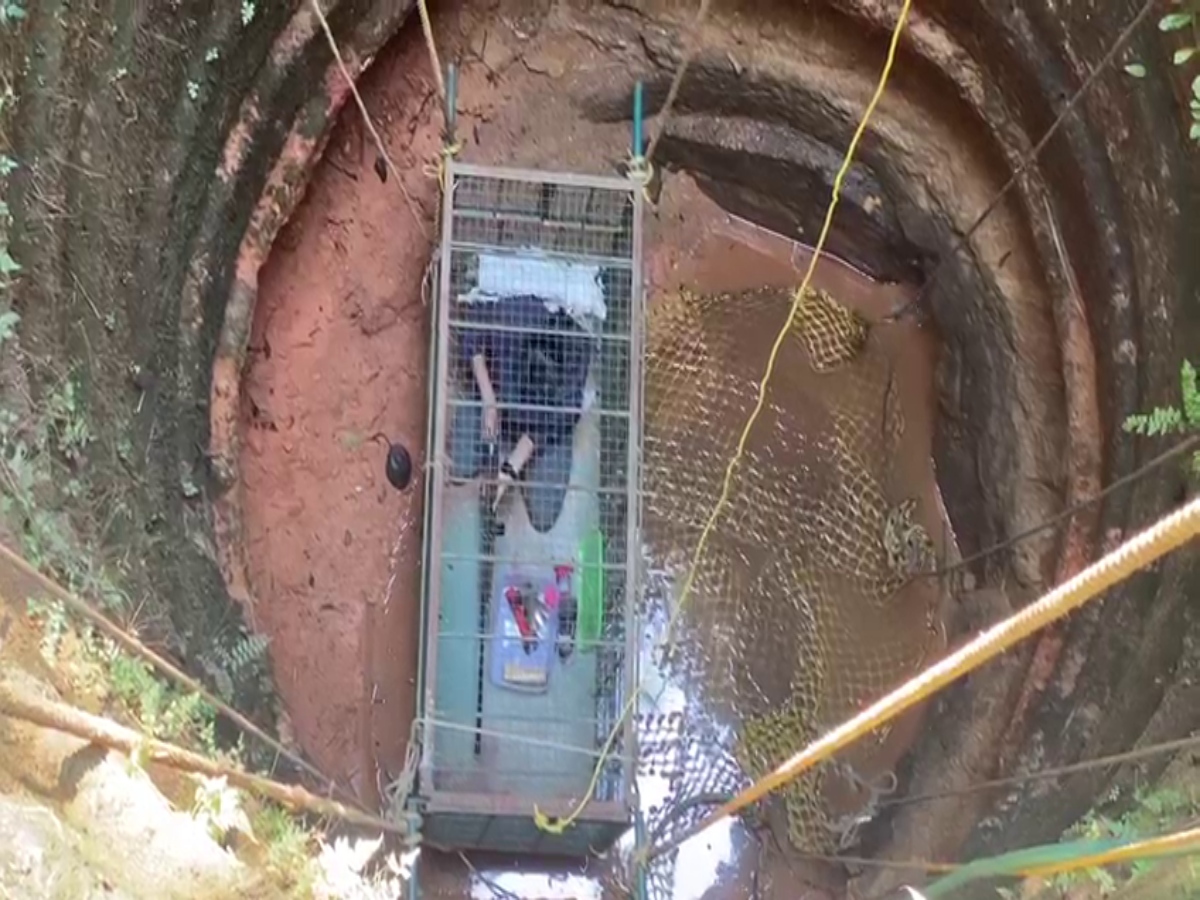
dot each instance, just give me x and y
(468, 636)
(568, 488)
(512, 775)
(451, 110)
(639, 101)
(492, 215)
(506, 720)
(537, 407)
(537, 176)
(510, 560)
(508, 805)
(486, 574)
(433, 601)
(611, 262)
(633, 481)
(510, 736)
(468, 325)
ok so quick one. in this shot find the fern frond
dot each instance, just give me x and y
(1162, 420)
(246, 653)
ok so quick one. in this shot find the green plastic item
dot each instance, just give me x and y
(591, 590)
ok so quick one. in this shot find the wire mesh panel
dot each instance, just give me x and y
(534, 511)
(802, 609)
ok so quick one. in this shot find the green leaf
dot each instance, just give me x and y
(1137, 70)
(1183, 54)
(1194, 133)
(1161, 420)
(8, 265)
(1196, 86)
(1105, 879)
(1190, 389)
(1175, 21)
(8, 165)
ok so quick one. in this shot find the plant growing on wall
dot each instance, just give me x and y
(1185, 18)
(11, 12)
(1181, 419)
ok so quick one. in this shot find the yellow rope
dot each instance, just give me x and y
(1167, 534)
(1165, 845)
(641, 173)
(558, 826)
(739, 452)
(438, 170)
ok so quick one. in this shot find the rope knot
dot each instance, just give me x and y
(640, 171)
(550, 824)
(438, 170)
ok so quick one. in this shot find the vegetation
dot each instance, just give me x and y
(1168, 420)
(44, 444)
(8, 165)
(298, 859)
(1152, 812)
(1123, 817)
(36, 450)
(11, 11)
(48, 443)
(288, 848)
(1186, 20)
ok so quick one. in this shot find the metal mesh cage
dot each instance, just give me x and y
(534, 498)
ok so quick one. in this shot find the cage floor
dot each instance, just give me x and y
(518, 728)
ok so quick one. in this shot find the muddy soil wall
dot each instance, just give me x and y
(145, 135)
(161, 143)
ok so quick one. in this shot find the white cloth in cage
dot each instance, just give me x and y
(572, 287)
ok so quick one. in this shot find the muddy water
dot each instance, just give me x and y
(710, 252)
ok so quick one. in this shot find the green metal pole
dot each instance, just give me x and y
(451, 110)
(640, 886)
(639, 100)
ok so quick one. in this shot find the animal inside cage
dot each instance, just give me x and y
(532, 514)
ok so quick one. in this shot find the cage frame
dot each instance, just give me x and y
(508, 812)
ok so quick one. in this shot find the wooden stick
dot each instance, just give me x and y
(106, 733)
